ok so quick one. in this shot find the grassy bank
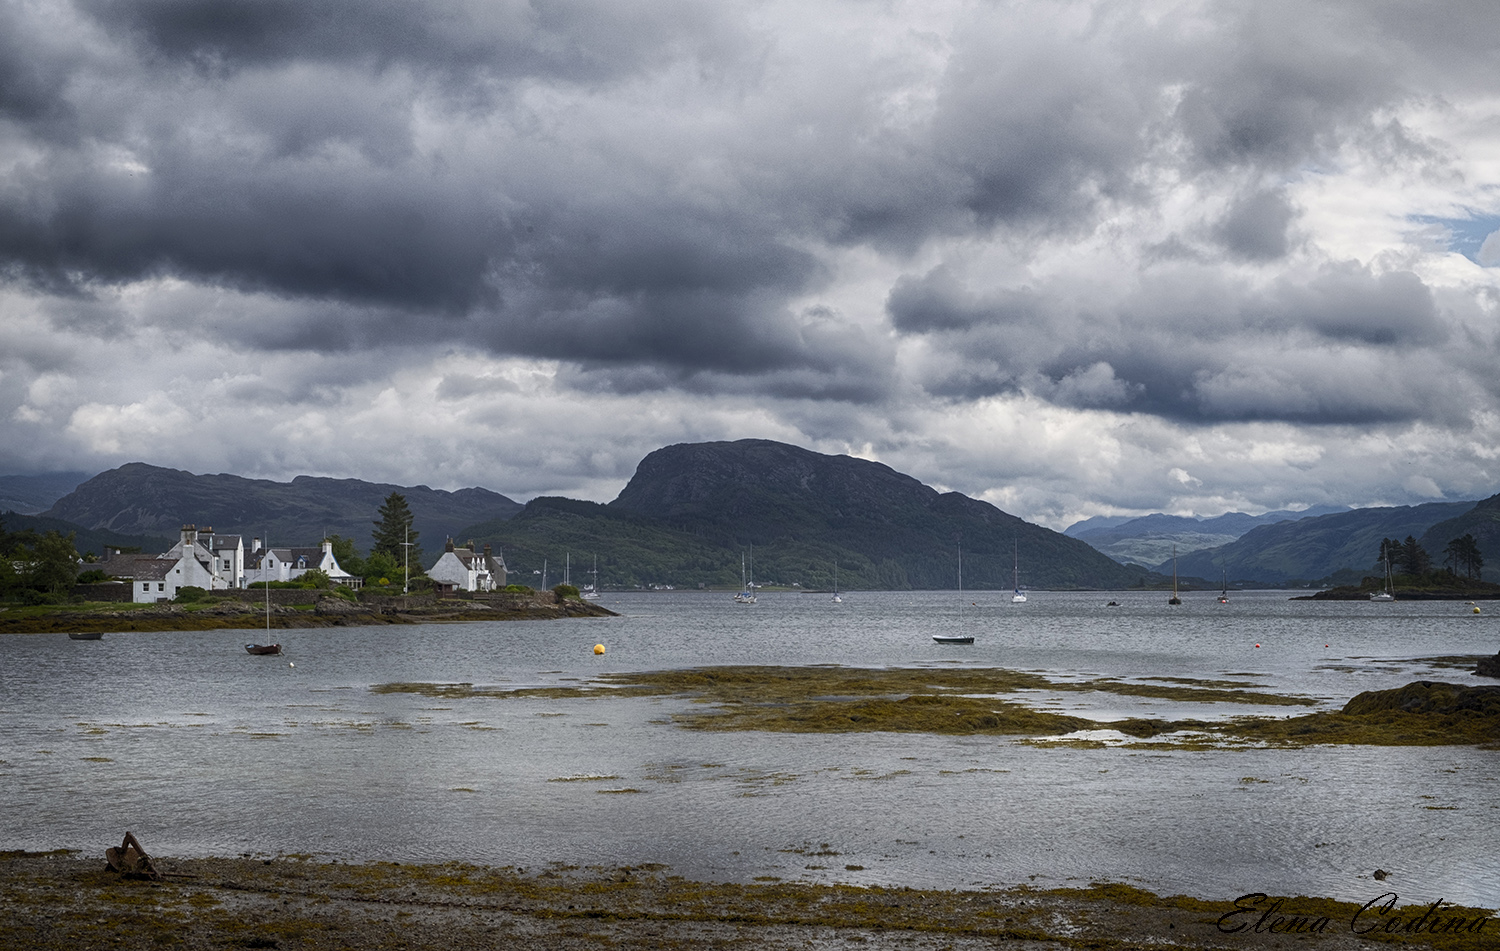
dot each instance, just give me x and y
(323, 611)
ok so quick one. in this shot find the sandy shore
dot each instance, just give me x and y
(67, 901)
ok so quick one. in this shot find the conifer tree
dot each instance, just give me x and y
(394, 529)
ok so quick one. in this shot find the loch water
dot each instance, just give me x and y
(202, 749)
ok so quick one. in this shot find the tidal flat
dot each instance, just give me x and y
(61, 900)
(966, 701)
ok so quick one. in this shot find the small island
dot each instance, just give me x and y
(1409, 575)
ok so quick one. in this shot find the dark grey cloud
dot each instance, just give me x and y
(1282, 80)
(938, 301)
(465, 41)
(1255, 228)
(1334, 347)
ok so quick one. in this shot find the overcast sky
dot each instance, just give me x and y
(1073, 258)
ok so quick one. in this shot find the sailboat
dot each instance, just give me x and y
(1224, 589)
(268, 647)
(836, 599)
(1018, 597)
(1386, 594)
(591, 590)
(747, 591)
(1174, 599)
(957, 638)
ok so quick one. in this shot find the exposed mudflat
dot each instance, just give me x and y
(66, 901)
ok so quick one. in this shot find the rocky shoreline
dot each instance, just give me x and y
(62, 900)
(325, 611)
(1489, 592)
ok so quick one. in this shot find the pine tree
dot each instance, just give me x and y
(1413, 557)
(393, 530)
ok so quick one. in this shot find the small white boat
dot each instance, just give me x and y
(591, 590)
(1018, 597)
(747, 587)
(1386, 594)
(836, 599)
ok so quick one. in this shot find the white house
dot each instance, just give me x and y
(285, 564)
(199, 559)
(216, 562)
(467, 569)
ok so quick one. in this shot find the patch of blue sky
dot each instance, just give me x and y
(1467, 235)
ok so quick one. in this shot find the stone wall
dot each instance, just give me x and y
(104, 591)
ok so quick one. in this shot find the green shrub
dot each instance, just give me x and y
(565, 591)
(519, 589)
(189, 593)
(32, 596)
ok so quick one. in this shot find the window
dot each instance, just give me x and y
(161, 586)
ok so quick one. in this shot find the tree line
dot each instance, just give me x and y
(1461, 557)
(38, 568)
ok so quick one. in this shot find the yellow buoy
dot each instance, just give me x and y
(598, 648)
(1476, 610)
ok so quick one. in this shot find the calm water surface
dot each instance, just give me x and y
(200, 748)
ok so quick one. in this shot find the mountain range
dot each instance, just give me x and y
(1151, 539)
(33, 494)
(694, 513)
(1340, 548)
(149, 500)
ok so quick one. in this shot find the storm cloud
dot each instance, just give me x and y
(246, 234)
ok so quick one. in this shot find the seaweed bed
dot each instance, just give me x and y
(832, 699)
(60, 900)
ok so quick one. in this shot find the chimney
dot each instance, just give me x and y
(255, 543)
(471, 545)
(449, 546)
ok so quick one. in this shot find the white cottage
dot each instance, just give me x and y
(468, 569)
(286, 564)
(199, 559)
